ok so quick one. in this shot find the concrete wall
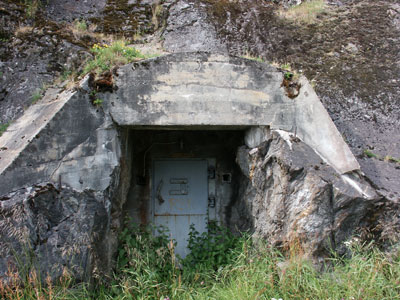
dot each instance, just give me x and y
(200, 89)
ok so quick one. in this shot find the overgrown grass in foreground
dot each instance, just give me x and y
(147, 269)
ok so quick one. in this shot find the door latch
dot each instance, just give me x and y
(211, 172)
(211, 201)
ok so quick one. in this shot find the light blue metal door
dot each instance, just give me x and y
(180, 197)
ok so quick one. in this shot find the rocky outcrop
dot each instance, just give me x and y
(349, 53)
(53, 230)
(297, 200)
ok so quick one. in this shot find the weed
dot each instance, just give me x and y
(32, 6)
(370, 154)
(98, 102)
(36, 96)
(213, 248)
(108, 56)
(3, 128)
(306, 12)
(251, 57)
(288, 75)
(156, 10)
(39, 93)
(80, 25)
(1, 74)
(392, 159)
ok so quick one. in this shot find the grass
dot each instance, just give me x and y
(80, 25)
(252, 57)
(147, 269)
(387, 158)
(36, 96)
(107, 57)
(3, 128)
(307, 12)
(32, 6)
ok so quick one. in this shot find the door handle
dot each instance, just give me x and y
(159, 196)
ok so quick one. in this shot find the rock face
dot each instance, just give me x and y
(298, 200)
(349, 53)
(53, 230)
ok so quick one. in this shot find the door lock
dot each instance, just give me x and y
(211, 201)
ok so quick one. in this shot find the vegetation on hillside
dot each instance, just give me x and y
(107, 57)
(221, 267)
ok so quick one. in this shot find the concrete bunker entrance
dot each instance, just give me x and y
(185, 177)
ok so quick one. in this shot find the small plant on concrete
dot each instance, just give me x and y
(36, 96)
(3, 128)
(98, 102)
(392, 159)
(108, 56)
(370, 154)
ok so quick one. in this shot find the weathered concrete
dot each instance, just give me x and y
(197, 89)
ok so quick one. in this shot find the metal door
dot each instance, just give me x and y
(180, 197)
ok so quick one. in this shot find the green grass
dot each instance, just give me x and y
(306, 12)
(147, 269)
(32, 6)
(80, 25)
(108, 56)
(36, 96)
(3, 128)
(370, 154)
(255, 58)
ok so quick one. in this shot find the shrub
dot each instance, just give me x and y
(214, 248)
(108, 56)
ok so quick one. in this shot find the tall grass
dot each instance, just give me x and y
(307, 12)
(108, 56)
(148, 269)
